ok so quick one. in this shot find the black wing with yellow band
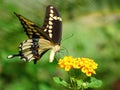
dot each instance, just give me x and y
(53, 24)
(31, 29)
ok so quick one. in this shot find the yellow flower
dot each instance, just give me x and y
(86, 65)
(67, 68)
(66, 63)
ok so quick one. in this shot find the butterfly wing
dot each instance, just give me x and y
(31, 29)
(40, 39)
(31, 50)
(53, 24)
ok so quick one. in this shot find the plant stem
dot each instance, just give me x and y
(73, 83)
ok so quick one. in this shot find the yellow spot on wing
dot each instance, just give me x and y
(37, 34)
(50, 23)
(51, 11)
(45, 29)
(51, 7)
(49, 31)
(50, 18)
(50, 35)
(34, 30)
(51, 15)
(50, 27)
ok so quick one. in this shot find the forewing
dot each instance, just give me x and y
(53, 24)
(32, 30)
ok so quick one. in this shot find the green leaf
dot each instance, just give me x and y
(95, 83)
(79, 83)
(60, 81)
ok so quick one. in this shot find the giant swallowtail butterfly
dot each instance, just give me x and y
(40, 40)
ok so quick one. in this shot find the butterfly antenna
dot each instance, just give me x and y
(68, 37)
(63, 48)
(63, 52)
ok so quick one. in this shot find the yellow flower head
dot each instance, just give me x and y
(86, 65)
(66, 63)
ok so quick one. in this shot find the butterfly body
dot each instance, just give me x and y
(40, 40)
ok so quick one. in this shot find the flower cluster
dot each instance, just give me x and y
(86, 65)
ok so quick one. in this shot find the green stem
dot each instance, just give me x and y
(73, 83)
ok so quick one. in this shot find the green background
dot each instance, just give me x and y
(91, 29)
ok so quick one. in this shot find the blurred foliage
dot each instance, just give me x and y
(90, 29)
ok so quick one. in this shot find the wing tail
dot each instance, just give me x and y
(12, 56)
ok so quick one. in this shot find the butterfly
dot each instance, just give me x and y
(40, 39)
